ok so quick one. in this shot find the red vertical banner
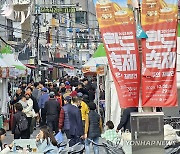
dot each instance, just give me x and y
(159, 50)
(118, 31)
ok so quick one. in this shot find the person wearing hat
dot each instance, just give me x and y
(93, 129)
(42, 100)
(52, 110)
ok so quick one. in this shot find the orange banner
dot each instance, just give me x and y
(118, 32)
(159, 85)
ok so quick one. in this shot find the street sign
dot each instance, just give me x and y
(57, 10)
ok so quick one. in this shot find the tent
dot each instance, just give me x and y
(16, 67)
(99, 57)
(2, 63)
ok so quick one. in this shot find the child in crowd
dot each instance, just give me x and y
(2, 137)
(110, 134)
(45, 141)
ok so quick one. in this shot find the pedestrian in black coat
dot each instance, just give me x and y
(52, 110)
(16, 117)
(125, 119)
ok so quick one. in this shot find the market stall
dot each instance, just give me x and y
(98, 65)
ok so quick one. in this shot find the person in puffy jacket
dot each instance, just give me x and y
(45, 141)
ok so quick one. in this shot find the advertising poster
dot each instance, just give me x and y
(117, 26)
(159, 50)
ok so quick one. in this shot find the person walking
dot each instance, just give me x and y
(43, 98)
(52, 110)
(30, 113)
(36, 93)
(72, 123)
(17, 116)
(63, 116)
(29, 91)
(93, 129)
(125, 119)
(83, 107)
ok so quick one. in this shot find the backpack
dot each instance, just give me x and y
(23, 123)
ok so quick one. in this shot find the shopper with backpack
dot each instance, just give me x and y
(20, 123)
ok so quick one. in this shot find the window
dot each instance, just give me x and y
(81, 17)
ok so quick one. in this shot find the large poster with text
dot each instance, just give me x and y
(117, 28)
(159, 85)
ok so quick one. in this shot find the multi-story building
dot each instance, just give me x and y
(63, 37)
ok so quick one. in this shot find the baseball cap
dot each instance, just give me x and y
(79, 94)
(73, 93)
(67, 98)
(52, 93)
(44, 89)
(67, 83)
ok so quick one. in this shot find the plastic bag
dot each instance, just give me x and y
(59, 137)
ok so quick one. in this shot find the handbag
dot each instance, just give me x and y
(126, 135)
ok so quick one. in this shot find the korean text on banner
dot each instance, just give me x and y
(117, 28)
(159, 20)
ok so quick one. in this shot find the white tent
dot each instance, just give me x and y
(11, 60)
(113, 110)
(92, 62)
(2, 63)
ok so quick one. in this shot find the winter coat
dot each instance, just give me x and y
(47, 148)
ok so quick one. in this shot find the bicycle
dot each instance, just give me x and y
(172, 149)
(110, 147)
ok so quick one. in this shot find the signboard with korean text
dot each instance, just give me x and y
(117, 28)
(55, 9)
(159, 50)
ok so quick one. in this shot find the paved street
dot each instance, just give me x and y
(9, 139)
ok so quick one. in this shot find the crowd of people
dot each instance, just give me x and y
(66, 105)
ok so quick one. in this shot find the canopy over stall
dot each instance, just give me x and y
(113, 110)
(99, 57)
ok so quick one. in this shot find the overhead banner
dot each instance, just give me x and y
(159, 85)
(117, 28)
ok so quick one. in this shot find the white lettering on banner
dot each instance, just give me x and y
(116, 38)
(124, 62)
(156, 36)
(160, 60)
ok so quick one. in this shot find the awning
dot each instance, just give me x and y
(30, 66)
(66, 66)
(48, 65)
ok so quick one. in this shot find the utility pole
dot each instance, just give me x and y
(37, 31)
